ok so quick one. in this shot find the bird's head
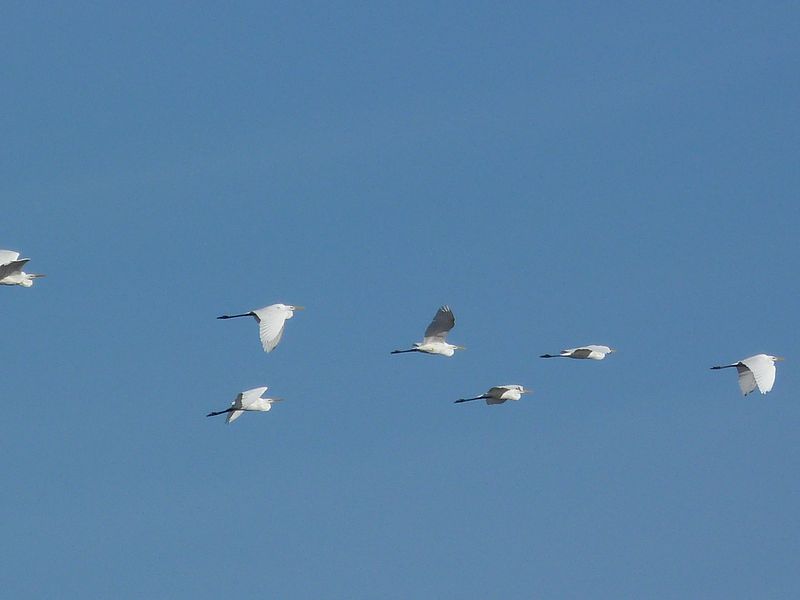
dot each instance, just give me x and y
(450, 349)
(611, 350)
(776, 358)
(29, 277)
(525, 391)
(289, 309)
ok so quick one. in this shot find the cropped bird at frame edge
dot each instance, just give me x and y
(11, 272)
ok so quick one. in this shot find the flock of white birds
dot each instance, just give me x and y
(756, 371)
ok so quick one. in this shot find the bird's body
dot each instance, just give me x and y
(435, 338)
(271, 320)
(756, 371)
(591, 352)
(499, 394)
(11, 272)
(247, 401)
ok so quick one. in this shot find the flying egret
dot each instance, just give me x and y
(271, 320)
(247, 401)
(435, 339)
(591, 351)
(755, 371)
(499, 394)
(11, 272)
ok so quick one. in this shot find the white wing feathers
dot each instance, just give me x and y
(247, 398)
(596, 348)
(233, 415)
(582, 350)
(7, 256)
(442, 323)
(756, 371)
(270, 325)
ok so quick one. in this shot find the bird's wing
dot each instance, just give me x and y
(247, 398)
(499, 389)
(6, 256)
(579, 352)
(270, 326)
(762, 370)
(596, 348)
(12, 267)
(494, 400)
(747, 382)
(233, 415)
(442, 323)
(237, 402)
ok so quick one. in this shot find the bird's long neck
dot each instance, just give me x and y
(247, 314)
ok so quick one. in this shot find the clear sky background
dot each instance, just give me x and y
(560, 174)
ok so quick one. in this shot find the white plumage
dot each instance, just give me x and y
(499, 394)
(756, 371)
(435, 339)
(592, 352)
(271, 321)
(247, 401)
(11, 272)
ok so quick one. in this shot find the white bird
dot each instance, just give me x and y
(435, 339)
(271, 320)
(11, 272)
(248, 401)
(591, 351)
(499, 394)
(755, 371)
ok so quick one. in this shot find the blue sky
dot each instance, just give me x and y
(559, 174)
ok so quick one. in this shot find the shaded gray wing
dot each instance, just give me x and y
(747, 381)
(442, 323)
(13, 267)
